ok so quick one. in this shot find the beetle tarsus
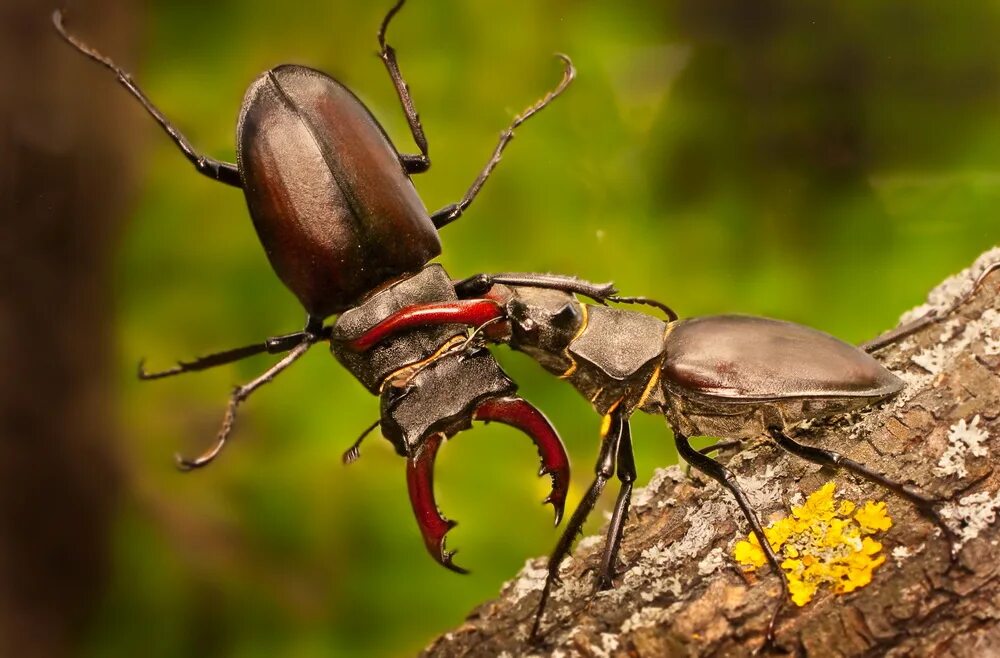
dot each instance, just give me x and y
(223, 172)
(924, 504)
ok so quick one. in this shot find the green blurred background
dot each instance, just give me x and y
(820, 162)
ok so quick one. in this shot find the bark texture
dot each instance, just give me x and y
(60, 213)
(679, 591)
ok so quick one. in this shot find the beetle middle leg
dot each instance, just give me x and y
(223, 172)
(725, 477)
(273, 345)
(451, 212)
(921, 501)
(238, 397)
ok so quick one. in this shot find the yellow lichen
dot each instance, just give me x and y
(822, 542)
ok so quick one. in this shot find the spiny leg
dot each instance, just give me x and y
(617, 426)
(901, 332)
(413, 164)
(725, 477)
(450, 213)
(925, 504)
(214, 169)
(274, 345)
(616, 528)
(237, 398)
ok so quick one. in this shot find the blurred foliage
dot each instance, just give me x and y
(814, 161)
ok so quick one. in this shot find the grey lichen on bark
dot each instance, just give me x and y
(680, 593)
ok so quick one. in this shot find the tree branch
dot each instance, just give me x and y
(680, 593)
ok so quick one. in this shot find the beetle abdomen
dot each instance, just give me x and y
(329, 198)
(742, 358)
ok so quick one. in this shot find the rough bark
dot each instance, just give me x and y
(679, 592)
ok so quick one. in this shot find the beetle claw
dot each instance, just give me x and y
(519, 413)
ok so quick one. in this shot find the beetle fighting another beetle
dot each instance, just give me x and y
(729, 376)
(342, 225)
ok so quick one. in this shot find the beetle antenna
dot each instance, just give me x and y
(352, 454)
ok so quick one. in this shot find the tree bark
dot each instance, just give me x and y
(679, 591)
(59, 478)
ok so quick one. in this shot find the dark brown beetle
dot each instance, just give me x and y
(342, 225)
(731, 377)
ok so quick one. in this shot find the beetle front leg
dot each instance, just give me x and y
(223, 172)
(725, 477)
(617, 427)
(616, 528)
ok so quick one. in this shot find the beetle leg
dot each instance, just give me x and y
(274, 345)
(616, 425)
(215, 169)
(924, 503)
(725, 477)
(616, 528)
(912, 327)
(412, 164)
(450, 213)
(521, 414)
(420, 483)
(472, 312)
(239, 395)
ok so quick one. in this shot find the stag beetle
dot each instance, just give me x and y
(340, 221)
(732, 377)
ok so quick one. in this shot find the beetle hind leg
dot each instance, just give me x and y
(924, 503)
(223, 172)
(413, 164)
(725, 477)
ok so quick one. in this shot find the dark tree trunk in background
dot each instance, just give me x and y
(680, 593)
(58, 474)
